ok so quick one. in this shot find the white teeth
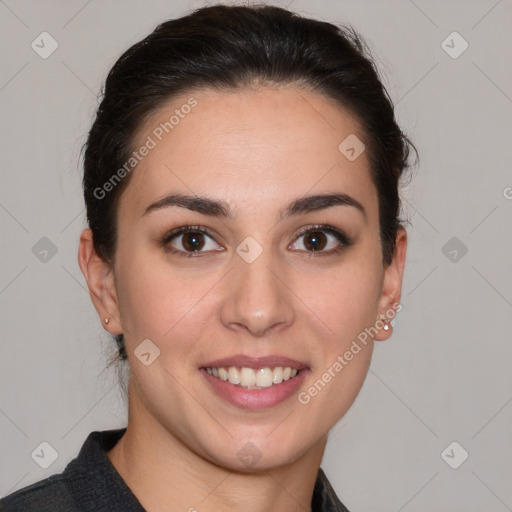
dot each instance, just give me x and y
(264, 377)
(247, 377)
(233, 375)
(250, 378)
(277, 377)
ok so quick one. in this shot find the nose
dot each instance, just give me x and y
(258, 299)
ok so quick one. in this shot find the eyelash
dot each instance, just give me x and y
(342, 237)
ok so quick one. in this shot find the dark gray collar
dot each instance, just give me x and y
(96, 485)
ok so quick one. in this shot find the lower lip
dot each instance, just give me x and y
(263, 398)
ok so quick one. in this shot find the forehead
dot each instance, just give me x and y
(250, 147)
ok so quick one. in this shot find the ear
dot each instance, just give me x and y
(100, 281)
(392, 284)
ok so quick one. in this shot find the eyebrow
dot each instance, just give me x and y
(219, 208)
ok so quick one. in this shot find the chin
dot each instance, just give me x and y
(254, 453)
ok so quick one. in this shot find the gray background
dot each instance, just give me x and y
(445, 374)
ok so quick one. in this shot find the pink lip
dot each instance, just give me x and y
(255, 362)
(255, 399)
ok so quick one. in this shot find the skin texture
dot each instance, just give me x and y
(256, 149)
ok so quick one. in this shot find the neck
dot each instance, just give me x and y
(165, 474)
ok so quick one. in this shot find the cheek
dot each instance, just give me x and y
(159, 302)
(345, 300)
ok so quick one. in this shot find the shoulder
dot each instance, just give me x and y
(89, 483)
(324, 497)
(48, 495)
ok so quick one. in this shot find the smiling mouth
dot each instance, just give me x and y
(251, 378)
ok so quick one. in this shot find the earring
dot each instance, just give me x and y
(106, 320)
(386, 326)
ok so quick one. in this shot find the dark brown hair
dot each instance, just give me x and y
(228, 47)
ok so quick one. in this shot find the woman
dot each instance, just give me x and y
(245, 249)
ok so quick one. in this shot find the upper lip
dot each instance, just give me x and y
(255, 362)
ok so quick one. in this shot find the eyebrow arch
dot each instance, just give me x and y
(218, 208)
(318, 202)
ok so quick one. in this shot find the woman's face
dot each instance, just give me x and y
(254, 291)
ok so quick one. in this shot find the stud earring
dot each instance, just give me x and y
(386, 326)
(106, 320)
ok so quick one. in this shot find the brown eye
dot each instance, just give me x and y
(190, 241)
(322, 239)
(193, 241)
(315, 241)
